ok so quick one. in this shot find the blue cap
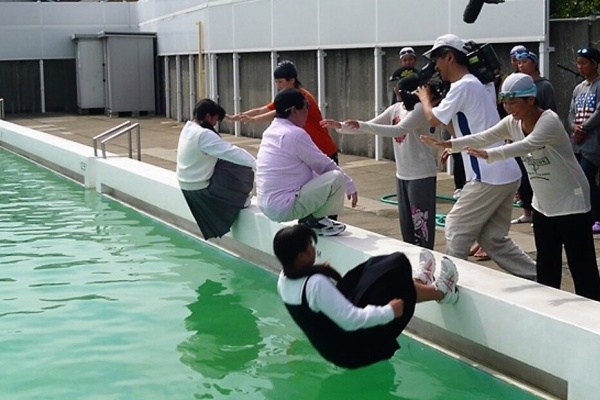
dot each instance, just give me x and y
(527, 54)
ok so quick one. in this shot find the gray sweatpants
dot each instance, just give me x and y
(416, 210)
(482, 214)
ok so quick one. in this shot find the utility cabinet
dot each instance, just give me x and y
(89, 70)
(115, 72)
(129, 60)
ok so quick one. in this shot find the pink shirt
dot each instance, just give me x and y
(287, 159)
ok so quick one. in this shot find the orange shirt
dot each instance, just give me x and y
(319, 135)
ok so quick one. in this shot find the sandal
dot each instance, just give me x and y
(481, 255)
(474, 249)
(528, 218)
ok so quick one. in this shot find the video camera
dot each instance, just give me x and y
(428, 75)
(483, 61)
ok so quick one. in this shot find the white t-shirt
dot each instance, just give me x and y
(471, 107)
(558, 182)
(323, 296)
(414, 159)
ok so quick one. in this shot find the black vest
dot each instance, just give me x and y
(390, 277)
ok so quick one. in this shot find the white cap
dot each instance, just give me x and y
(407, 51)
(520, 84)
(448, 40)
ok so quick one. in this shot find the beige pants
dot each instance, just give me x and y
(482, 214)
(322, 196)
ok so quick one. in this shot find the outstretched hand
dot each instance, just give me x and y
(331, 123)
(477, 152)
(435, 142)
(354, 198)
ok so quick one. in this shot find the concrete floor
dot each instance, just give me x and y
(373, 179)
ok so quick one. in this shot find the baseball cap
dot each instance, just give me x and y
(527, 54)
(285, 70)
(517, 49)
(286, 99)
(448, 40)
(517, 84)
(407, 51)
(402, 72)
(590, 53)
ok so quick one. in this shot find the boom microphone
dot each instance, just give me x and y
(474, 7)
(472, 11)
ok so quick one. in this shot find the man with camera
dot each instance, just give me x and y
(483, 211)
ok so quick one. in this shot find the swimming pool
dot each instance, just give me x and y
(100, 302)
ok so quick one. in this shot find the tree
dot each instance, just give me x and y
(574, 8)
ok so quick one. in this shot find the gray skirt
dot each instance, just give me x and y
(216, 207)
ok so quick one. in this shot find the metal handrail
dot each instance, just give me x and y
(127, 130)
(106, 133)
(1, 108)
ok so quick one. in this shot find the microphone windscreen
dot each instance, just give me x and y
(472, 11)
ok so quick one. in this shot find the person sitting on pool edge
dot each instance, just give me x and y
(294, 179)
(356, 322)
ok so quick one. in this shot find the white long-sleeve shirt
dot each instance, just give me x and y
(197, 153)
(558, 182)
(323, 296)
(414, 159)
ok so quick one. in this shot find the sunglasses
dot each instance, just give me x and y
(517, 93)
(306, 106)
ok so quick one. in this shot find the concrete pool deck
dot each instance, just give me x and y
(374, 179)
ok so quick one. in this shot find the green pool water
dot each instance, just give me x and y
(100, 302)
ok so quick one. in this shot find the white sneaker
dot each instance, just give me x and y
(446, 282)
(426, 267)
(324, 226)
(456, 193)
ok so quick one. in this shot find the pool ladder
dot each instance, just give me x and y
(113, 133)
(1, 108)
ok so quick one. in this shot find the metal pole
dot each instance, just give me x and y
(192, 85)
(274, 58)
(321, 81)
(42, 87)
(178, 85)
(139, 142)
(377, 56)
(236, 90)
(167, 89)
(213, 77)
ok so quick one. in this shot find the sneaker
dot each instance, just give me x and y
(528, 218)
(596, 228)
(323, 226)
(426, 267)
(456, 193)
(446, 283)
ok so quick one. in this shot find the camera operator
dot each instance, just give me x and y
(483, 210)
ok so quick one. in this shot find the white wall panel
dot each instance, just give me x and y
(259, 25)
(252, 25)
(345, 22)
(218, 29)
(295, 25)
(43, 30)
(397, 25)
